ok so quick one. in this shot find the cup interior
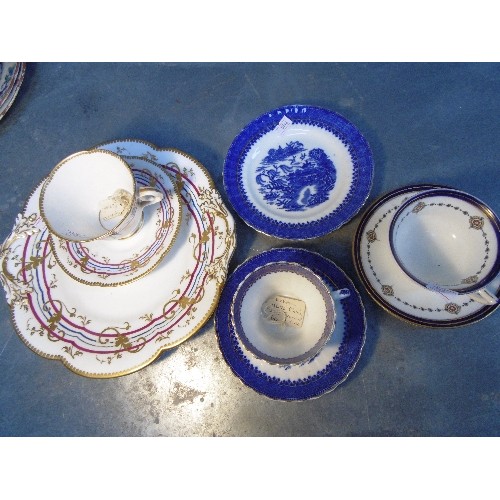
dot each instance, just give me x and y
(446, 238)
(283, 313)
(87, 195)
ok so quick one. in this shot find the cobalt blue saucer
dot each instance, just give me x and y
(298, 172)
(316, 376)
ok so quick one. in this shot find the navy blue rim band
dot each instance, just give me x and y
(451, 323)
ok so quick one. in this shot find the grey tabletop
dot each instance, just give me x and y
(425, 123)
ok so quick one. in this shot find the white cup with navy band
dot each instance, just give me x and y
(93, 195)
(448, 241)
(284, 313)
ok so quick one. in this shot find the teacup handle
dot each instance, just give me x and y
(149, 196)
(341, 294)
(484, 296)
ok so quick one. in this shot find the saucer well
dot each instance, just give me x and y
(391, 287)
(117, 262)
(103, 332)
(320, 374)
(298, 172)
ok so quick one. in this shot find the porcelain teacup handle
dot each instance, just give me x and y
(484, 296)
(149, 196)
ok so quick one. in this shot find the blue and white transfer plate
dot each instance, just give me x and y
(298, 172)
(11, 78)
(391, 287)
(316, 376)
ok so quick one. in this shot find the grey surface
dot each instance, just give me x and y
(425, 123)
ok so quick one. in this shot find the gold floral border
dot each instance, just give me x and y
(217, 269)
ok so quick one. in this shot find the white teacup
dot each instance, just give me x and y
(284, 313)
(93, 195)
(448, 241)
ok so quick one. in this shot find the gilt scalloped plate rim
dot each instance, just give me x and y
(163, 349)
(377, 297)
(301, 231)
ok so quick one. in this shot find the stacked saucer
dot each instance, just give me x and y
(290, 324)
(108, 307)
(11, 78)
(397, 291)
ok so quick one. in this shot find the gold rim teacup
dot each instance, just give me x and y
(93, 195)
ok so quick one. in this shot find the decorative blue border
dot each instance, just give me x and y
(377, 297)
(307, 115)
(339, 366)
(275, 267)
(460, 195)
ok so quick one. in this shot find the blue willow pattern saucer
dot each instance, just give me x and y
(298, 172)
(317, 376)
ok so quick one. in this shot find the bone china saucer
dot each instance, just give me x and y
(298, 172)
(391, 287)
(117, 262)
(317, 376)
(104, 332)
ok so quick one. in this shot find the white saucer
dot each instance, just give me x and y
(118, 262)
(390, 286)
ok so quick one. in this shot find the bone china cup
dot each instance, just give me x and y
(284, 313)
(93, 195)
(448, 241)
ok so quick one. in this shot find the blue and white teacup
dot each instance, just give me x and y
(284, 313)
(448, 241)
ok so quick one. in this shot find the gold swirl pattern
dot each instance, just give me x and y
(60, 318)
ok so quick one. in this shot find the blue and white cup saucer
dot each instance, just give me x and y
(316, 375)
(298, 172)
(283, 313)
